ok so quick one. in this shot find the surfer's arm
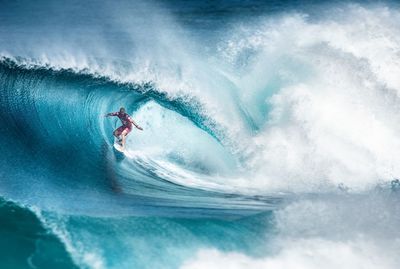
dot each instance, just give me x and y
(111, 114)
(134, 123)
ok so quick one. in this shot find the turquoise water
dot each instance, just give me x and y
(270, 134)
(26, 242)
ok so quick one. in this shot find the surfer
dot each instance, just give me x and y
(121, 132)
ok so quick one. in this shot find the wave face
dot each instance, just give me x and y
(29, 245)
(270, 134)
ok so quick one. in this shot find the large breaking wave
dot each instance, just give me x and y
(272, 145)
(53, 124)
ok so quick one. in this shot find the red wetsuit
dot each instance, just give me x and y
(126, 122)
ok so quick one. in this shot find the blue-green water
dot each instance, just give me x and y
(270, 134)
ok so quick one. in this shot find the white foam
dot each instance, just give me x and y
(332, 92)
(301, 254)
(338, 232)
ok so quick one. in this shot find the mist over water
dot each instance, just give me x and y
(270, 134)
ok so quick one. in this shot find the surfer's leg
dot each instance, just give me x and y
(117, 133)
(124, 134)
(123, 137)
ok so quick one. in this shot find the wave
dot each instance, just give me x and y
(269, 142)
(283, 119)
(26, 242)
(56, 118)
(362, 228)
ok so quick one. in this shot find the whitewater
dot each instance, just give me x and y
(270, 134)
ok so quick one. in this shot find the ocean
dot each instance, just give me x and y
(269, 134)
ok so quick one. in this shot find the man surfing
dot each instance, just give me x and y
(121, 132)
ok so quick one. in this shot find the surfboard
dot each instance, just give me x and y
(118, 147)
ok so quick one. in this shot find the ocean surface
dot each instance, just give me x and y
(271, 134)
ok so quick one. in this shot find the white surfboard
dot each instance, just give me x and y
(118, 147)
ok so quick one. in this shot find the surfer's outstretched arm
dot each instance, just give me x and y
(111, 114)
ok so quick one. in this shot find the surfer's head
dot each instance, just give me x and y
(122, 110)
